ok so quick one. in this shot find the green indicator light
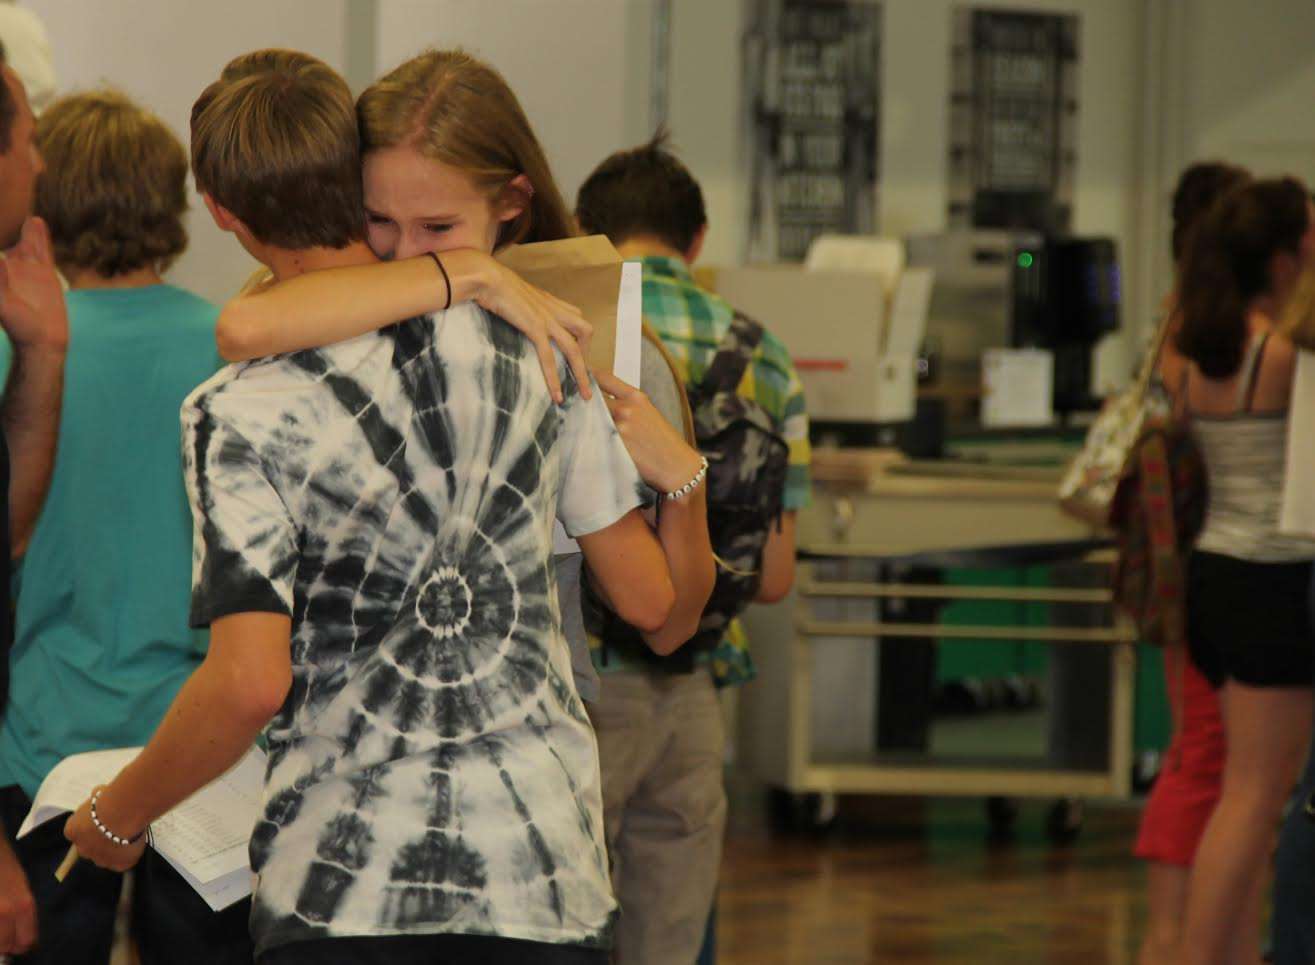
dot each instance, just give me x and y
(1025, 260)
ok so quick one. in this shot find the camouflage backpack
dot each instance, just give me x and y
(747, 461)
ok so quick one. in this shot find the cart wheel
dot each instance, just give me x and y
(809, 811)
(1002, 815)
(1064, 820)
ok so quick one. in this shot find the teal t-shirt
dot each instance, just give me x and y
(101, 642)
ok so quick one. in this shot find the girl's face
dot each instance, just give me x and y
(414, 204)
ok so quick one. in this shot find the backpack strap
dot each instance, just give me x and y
(733, 356)
(1246, 390)
(686, 417)
(1156, 350)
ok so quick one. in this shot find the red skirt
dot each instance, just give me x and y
(1187, 789)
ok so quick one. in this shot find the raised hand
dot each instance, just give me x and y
(32, 309)
(544, 319)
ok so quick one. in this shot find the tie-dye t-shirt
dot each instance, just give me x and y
(433, 769)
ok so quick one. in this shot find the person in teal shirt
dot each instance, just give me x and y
(102, 643)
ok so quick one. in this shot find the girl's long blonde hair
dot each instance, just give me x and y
(458, 110)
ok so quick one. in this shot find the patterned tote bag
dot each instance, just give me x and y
(1087, 488)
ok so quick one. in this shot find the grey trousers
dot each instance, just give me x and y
(661, 744)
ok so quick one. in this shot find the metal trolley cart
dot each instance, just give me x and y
(857, 543)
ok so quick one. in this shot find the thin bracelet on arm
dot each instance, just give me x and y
(446, 280)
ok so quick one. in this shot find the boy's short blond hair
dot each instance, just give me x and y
(274, 141)
(115, 186)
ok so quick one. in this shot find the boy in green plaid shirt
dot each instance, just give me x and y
(660, 733)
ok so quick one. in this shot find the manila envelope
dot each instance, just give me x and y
(583, 271)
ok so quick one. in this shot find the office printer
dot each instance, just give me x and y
(1020, 289)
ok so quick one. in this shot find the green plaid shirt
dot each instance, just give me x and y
(691, 323)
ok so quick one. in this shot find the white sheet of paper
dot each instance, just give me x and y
(223, 891)
(205, 838)
(208, 833)
(908, 312)
(1018, 384)
(629, 323)
(1297, 516)
(629, 339)
(71, 782)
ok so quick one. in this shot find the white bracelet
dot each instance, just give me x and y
(95, 819)
(693, 484)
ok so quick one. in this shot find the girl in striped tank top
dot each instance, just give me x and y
(1249, 629)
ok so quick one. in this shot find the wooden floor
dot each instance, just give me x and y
(913, 880)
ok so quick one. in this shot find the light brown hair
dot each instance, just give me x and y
(458, 110)
(115, 186)
(274, 141)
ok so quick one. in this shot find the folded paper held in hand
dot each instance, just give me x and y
(205, 838)
(583, 271)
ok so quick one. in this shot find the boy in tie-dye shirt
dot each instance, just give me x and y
(373, 548)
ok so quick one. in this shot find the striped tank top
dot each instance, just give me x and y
(1245, 458)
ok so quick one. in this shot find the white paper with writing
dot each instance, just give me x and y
(1018, 384)
(205, 838)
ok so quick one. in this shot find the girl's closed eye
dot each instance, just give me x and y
(439, 228)
(379, 219)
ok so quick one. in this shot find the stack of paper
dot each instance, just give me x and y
(205, 838)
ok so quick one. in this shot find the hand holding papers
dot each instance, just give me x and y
(205, 838)
(586, 272)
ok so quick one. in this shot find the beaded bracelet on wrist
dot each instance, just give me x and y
(95, 819)
(693, 484)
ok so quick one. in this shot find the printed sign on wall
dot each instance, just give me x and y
(1013, 119)
(812, 81)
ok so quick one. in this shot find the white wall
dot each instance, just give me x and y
(706, 120)
(1232, 82)
(1249, 85)
(163, 53)
(579, 67)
